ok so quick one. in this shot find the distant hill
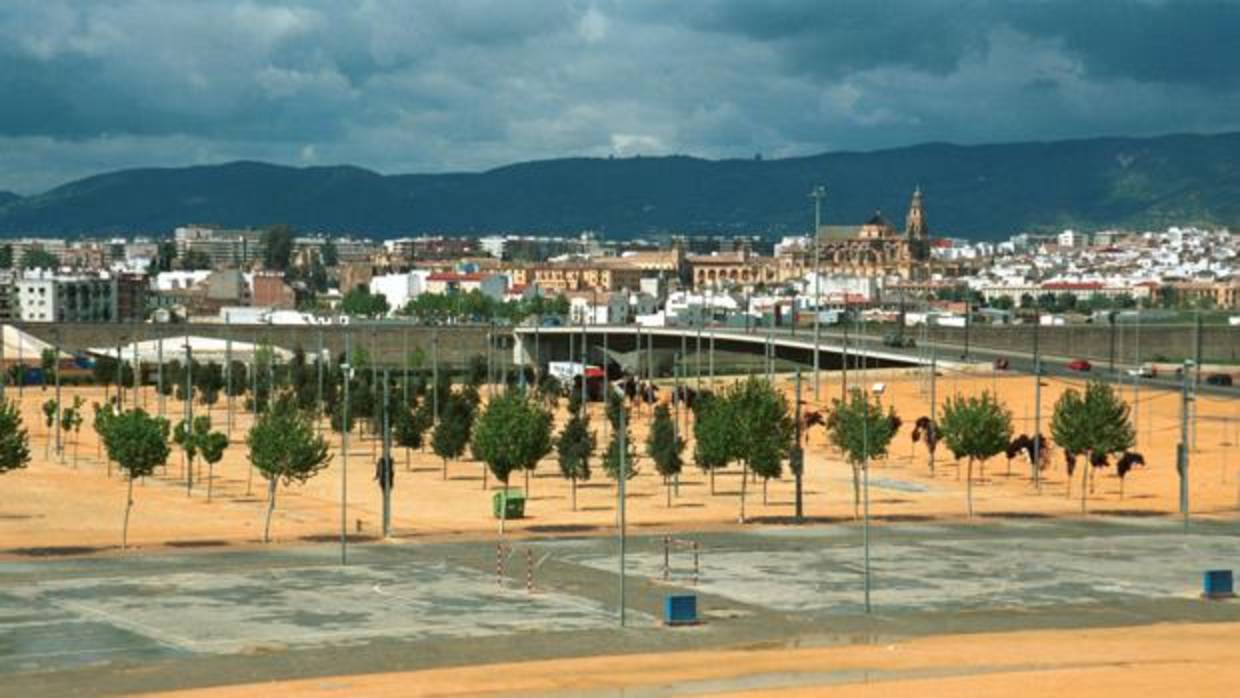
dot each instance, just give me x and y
(8, 197)
(985, 191)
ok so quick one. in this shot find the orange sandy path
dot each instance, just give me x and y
(53, 504)
(1156, 661)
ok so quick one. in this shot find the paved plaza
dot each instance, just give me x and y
(417, 605)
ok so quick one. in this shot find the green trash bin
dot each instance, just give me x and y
(515, 507)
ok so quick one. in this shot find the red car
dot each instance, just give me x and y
(1079, 365)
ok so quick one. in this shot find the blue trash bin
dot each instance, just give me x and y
(680, 609)
(1217, 584)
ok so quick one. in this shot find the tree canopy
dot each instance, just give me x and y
(858, 427)
(1094, 423)
(664, 446)
(977, 428)
(573, 448)
(278, 247)
(361, 302)
(456, 421)
(284, 447)
(512, 433)
(14, 441)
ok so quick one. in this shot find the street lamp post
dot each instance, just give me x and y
(818, 194)
(346, 371)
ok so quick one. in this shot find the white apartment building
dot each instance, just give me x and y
(399, 289)
(44, 296)
(833, 287)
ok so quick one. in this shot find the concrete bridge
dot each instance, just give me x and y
(653, 349)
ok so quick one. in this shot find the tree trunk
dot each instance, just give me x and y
(712, 482)
(765, 480)
(969, 487)
(503, 509)
(856, 472)
(445, 468)
(128, 506)
(408, 460)
(271, 506)
(744, 482)
(210, 479)
(527, 482)
(667, 486)
(1085, 483)
(1121, 488)
(573, 481)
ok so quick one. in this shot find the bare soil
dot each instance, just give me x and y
(69, 504)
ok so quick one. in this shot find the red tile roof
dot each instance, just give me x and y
(1072, 286)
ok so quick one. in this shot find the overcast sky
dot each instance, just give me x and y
(423, 86)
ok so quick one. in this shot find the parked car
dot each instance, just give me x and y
(1141, 372)
(1218, 379)
(1001, 364)
(1079, 365)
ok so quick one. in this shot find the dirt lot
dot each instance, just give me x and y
(1155, 661)
(66, 507)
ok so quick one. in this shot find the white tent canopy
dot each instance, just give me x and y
(205, 350)
(22, 346)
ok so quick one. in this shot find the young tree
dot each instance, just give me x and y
(408, 427)
(211, 447)
(103, 413)
(138, 443)
(284, 447)
(1094, 424)
(712, 434)
(47, 360)
(451, 434)
(198, 440)
(611, 456)
(209, 379)
(183, 436)
(860, 430)
(763, 430)
(14, 441)
(50, 410)
(664, 448)
(976, 428)
(71, 420)
(513, 432)
(573, 448)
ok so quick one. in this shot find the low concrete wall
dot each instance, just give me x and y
(386, 342)
(1219, 343)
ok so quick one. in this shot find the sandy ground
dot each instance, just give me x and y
(1156, 661)
(75, 504)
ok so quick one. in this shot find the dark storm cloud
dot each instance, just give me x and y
(468, 84)
(837, 38)
(1182, 42)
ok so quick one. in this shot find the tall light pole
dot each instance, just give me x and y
(346, 371)
(818, 194)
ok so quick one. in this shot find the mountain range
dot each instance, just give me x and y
(977, 191)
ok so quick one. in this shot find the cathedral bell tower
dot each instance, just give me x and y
(915, 224)
(916, 233)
